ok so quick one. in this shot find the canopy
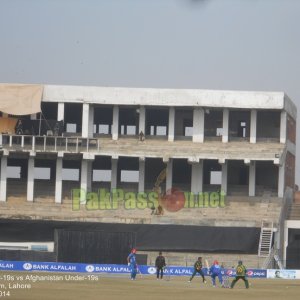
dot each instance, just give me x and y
(20, 99)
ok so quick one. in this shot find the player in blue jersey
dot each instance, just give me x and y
(131, 260)
(215, 271)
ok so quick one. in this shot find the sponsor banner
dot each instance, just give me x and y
(284, 274)
(117, 269)
(39, 266)
(251, 273)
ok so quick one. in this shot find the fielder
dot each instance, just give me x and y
(198, 269)
(215, 271)
(241, 273)
(131, 260)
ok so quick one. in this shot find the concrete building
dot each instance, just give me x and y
(241, 143)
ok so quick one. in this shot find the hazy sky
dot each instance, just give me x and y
(206, 44)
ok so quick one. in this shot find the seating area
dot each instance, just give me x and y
(238, 211)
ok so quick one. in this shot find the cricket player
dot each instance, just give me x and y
(241, 273)
(198, 269)
(215, 271)
(160, 264)
(131, 260)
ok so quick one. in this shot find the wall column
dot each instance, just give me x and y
(60, 111)
(197, 177)
(198, 125)
(58, 178)
(169, 175)
(86, 175)
(142, 120)
(141, 175)
(252, 179)
(283, 127)
(281, 181)
(85, 120)
(3, 180)
(225, 125)
(91, 121)
(30, 179)
(114, 173)
(224, 184)
(253, 125)
(171, 129)
(115, 125)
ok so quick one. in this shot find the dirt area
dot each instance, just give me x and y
(78, 286)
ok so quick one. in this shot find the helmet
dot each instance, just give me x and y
(133, 251)
(216, 262)
(240, 262)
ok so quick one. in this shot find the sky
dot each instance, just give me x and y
(203, 44)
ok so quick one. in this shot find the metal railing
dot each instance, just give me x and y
(49, 143)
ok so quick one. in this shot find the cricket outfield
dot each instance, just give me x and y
(42, 285)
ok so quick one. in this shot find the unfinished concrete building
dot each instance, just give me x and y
(239, 143)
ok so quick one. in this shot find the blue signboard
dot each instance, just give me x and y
(112, 269)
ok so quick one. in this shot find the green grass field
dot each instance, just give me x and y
(116, 288)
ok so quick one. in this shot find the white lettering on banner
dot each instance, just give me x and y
(183, 272)
(6, 266)
(120, 269)
(62, 268)
(103, 269)
(40, 267)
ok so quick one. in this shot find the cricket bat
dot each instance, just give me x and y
(207, 266)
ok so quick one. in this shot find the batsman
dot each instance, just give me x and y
(198, 269)
(241, 273)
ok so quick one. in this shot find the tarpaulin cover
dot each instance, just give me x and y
(149, 237)
(93, 246)
(20, 99)
(7, 125)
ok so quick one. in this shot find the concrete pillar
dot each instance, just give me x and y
(91, 121)
(225, 125)
(142, 120)
(224, 177)
(197, 177)
(252, 178)
(60, 111)
(141, 188)
(198, 125)
(281, 181)
(30, 179)
(85, 120)
(253, 124)
(169, 175)
(114, 173)
(58, 180)
(115, 125)
(283, 125)
(86, 178)
(171, 130)
(3, 180)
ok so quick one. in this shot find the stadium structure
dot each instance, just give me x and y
(88, 172)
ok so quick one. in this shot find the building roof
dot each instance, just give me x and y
(170, 97)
